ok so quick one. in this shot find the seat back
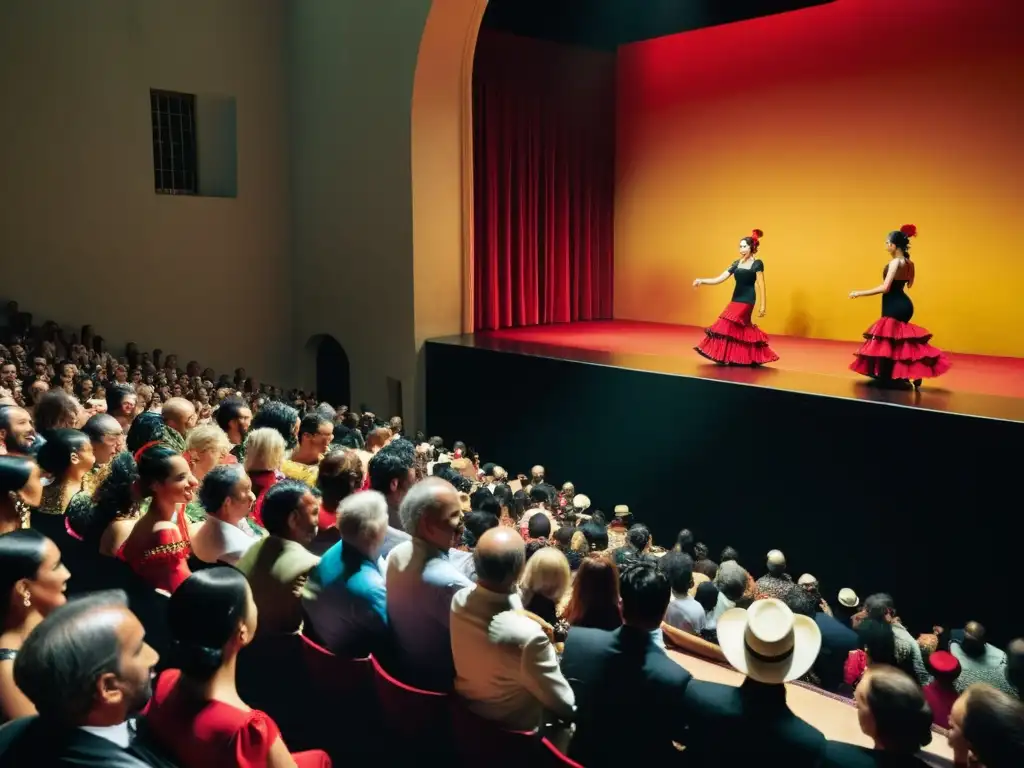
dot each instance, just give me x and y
(419, 718)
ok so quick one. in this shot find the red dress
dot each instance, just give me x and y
(161, 559)
(896, 349)
(734, 339)
(213, 734)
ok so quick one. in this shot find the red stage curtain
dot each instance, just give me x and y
(544, 167)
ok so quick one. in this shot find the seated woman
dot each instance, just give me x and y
(595, 594)
(226, 495)
(986, 728)
(158, 547)
(196, 713)
(205, 447)
(32, 583)
(21, 488)
(543, 584)
(105, 522)
(68, 457)
(892, 713)
(878, 646)
(340, 475)
(264, 455)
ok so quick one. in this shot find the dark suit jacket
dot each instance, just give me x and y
(744, 726)
(629, 697)
(31, 741)
(837, 640)
(840, 755)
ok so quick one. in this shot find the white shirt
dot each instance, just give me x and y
(505, 666)
(217, 541)
(116, 734)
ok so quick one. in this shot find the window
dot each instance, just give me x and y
(174, 142)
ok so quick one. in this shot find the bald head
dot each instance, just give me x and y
(974, 639)
(1015, 663)
(776, 563)
(537, 474)
(179, 414)
(499, 556)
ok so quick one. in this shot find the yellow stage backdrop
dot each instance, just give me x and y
(827, 128)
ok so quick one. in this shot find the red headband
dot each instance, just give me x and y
(909, 230)
(138, 454)
(756, 235)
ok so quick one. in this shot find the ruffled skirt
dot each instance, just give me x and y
(895, 350)
(734, 340)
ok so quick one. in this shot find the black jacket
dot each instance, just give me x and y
(629, 697)
(746, 725)
(32, 741)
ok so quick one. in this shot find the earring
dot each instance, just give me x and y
(28, 600)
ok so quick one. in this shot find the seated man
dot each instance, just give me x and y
(87, 668)
(740, 725)
(627, 665)
(226, 495)
(345, 597)
(421, 580)
(505, 666)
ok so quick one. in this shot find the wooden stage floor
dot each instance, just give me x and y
(976, 385)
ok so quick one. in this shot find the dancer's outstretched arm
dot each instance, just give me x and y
(890, 275)
(763, 293)
(711, 280)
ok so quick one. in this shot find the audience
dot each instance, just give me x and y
(87, 669)
(776, 583)
(980, 662)
(345, 598)
(987, 728)
(506, 669)
(32, 582)
(196, 713)
(628, 665)
(226, 495)
(278, 565)
(941, 692)
(21, 488)
(595, 601)
(421, 581)
(545, 581)
(738, 726)
(391, 472)
(892, 713)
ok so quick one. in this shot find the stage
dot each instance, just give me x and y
(865, 487)
(976, 385)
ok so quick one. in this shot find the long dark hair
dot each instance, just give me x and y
(148, 427)
(21, 555)
(203, 614)
(112, 497)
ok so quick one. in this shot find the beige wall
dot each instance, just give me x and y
(350, 79)
(348, 112)
(83, 236)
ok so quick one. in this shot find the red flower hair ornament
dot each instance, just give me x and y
(909, 230)
(756, 235)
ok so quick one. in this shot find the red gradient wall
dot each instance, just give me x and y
(827, 128)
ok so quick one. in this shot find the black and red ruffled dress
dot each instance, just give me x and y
(896, 350)
(733, 339)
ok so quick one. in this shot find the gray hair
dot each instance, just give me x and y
(61, 660)
(776, 563)
(499, 569)
(731, 580)
(362, 519)
(420, 500)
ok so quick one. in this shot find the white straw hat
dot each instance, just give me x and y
(848, 598)
(767, 642)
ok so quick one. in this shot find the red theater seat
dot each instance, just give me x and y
(482, 742)
(418, 719)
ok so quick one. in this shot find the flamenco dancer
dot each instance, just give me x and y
(896, 352)
(733, 339)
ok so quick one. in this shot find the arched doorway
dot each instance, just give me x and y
(333, 384)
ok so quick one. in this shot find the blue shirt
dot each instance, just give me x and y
(346, 601)
(421, 583)
(687, 614)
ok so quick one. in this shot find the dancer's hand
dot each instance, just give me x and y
(763, 312)
(698, 283)
(854, 294)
